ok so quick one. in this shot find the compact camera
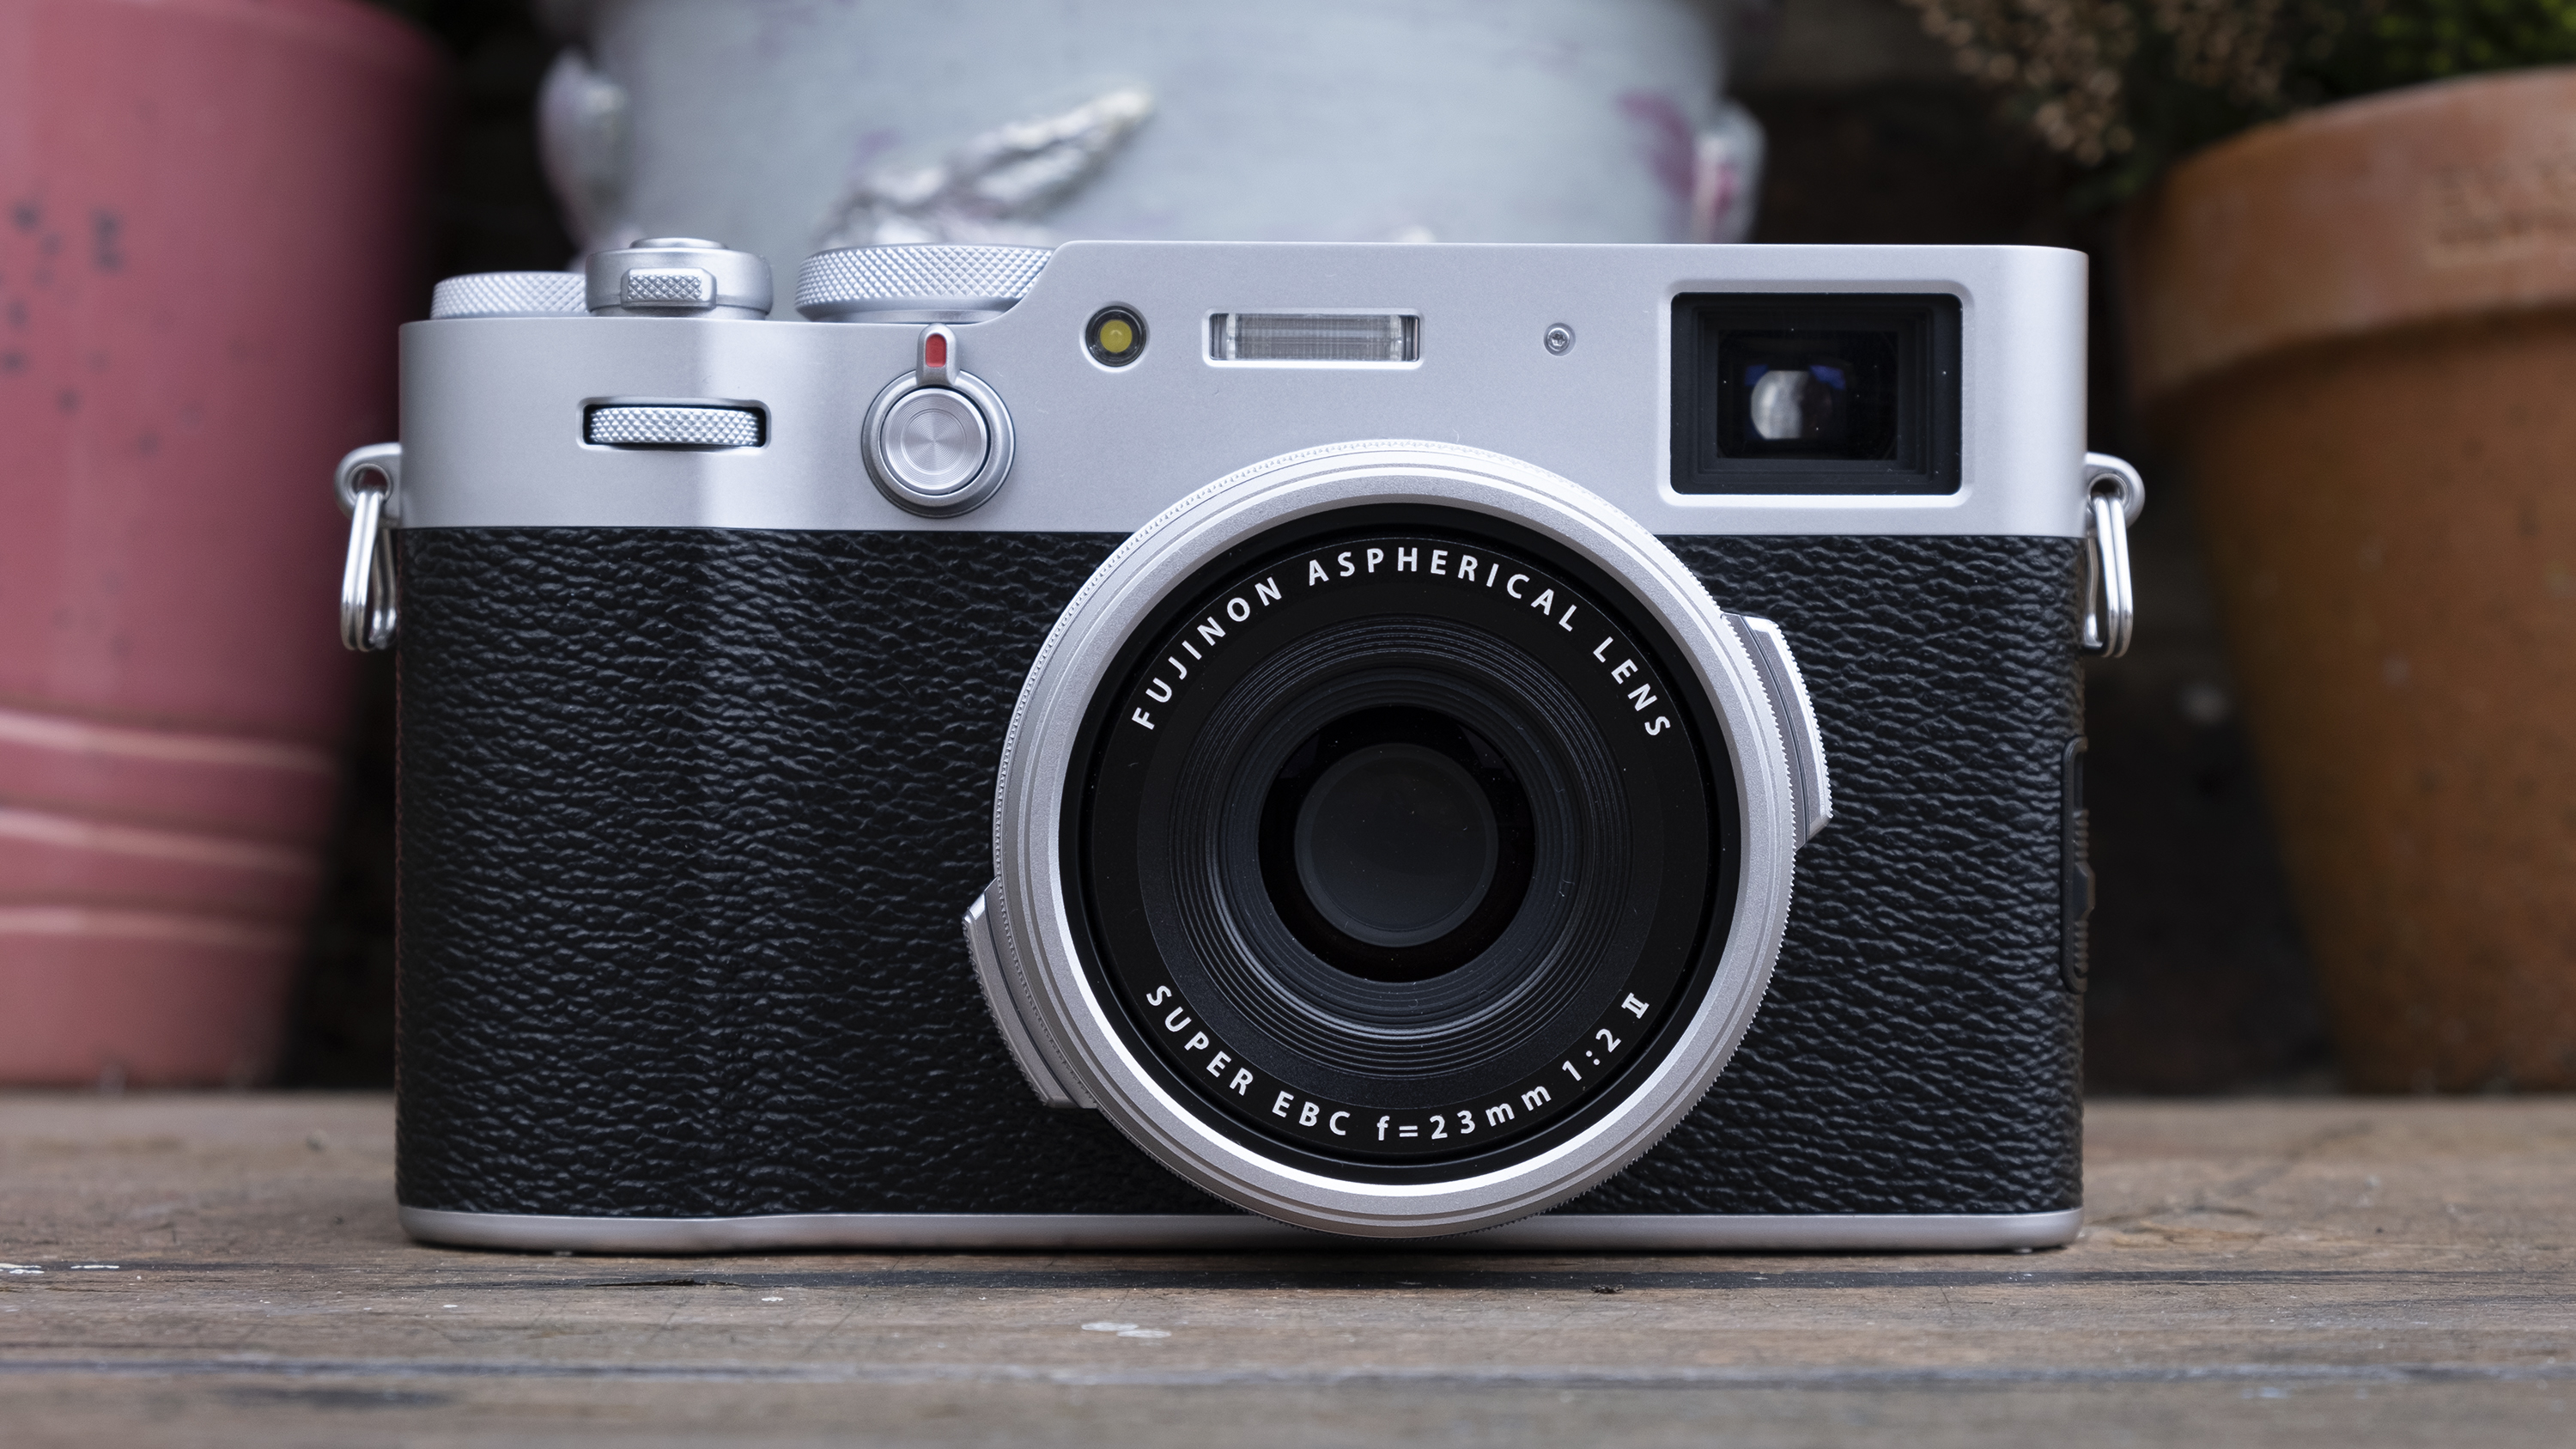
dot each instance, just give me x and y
(1376, 709)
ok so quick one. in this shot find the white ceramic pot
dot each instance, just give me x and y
(784, 126)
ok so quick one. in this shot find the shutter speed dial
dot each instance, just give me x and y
(937, 440)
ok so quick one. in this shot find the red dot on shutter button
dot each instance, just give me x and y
(935, 351)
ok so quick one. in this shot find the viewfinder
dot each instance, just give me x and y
(1816, 394)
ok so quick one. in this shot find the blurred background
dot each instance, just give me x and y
(2047, 122)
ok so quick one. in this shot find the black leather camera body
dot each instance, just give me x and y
(1375, 710)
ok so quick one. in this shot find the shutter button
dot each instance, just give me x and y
(937, 441)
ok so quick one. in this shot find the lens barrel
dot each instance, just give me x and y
(1324, 762)
(1391, 853)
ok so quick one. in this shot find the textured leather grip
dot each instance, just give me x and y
(688, 818)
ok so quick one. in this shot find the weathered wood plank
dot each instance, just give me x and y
(2314, 1271)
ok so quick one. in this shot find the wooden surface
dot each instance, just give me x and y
(2310, 1272)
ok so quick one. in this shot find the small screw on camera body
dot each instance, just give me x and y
(1559, 339)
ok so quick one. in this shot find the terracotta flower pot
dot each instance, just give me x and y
(206, 222)
(2358, 330)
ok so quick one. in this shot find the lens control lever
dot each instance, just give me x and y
(1811, 786)
(938, 367)
(1003, 992)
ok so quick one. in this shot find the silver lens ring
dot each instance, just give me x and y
(1038, 893)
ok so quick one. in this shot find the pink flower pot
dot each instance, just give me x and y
(206, 242)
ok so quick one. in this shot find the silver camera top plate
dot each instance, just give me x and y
(493, 406)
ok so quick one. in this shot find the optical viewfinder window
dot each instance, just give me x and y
(1836, 393)
(1808, 395)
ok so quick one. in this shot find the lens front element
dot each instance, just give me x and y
(1396, 843)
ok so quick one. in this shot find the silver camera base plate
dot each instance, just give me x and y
(1209, 1232)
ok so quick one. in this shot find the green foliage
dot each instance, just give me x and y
(2419, 40)
(2126, 87)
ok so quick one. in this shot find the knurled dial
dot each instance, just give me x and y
(940, 283)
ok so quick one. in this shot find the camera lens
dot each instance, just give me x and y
(1395, 843)
(1392, 839)
(1400, 828)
